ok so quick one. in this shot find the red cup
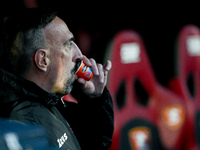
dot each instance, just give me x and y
(84, 71)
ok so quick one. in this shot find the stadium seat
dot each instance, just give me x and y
(147, 115)
(186, 81)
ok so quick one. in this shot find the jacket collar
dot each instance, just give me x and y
(14, 88)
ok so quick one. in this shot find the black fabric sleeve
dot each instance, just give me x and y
(92, 120)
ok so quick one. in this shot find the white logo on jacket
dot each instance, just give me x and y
(62, 140)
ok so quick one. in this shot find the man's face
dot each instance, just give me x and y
(63, 55)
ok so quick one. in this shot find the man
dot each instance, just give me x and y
(38, 62)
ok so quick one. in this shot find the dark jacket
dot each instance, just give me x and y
(91, 120)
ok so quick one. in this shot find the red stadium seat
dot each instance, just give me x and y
(147, 115)
(186, 82)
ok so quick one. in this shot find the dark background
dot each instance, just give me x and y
(157, 23)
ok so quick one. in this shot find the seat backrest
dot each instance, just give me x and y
(131, 80)
(186, 81)
(129, 59)
(187, 65)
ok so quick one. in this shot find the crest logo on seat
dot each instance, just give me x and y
(173, 116)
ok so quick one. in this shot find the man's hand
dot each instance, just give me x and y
(95, 87)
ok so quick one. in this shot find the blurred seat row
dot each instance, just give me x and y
(148, 115)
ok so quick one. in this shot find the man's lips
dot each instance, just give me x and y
(76, 67)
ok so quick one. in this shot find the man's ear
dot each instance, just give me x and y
(41, 59)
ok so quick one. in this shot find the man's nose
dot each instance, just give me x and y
(77, 53)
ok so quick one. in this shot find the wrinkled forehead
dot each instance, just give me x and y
(57, 29)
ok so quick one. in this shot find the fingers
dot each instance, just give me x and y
(95, 86)
(87, 61)
(101, 73)
(81, 81)
(94, 67)
(98, 69)
(91, 63)
(107, 66)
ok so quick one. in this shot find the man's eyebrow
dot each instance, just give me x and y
(69, 40)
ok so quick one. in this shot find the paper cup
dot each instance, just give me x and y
(84, 71)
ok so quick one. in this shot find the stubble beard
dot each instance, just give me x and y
(69, 84)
